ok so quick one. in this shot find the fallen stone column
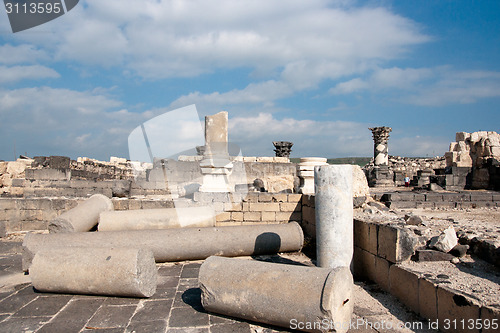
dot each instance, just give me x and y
(179, 244)
(143, 219)
(297, 297)
(96, 271)
(334, 217)
(83, 217)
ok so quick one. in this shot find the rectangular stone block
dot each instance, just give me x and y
(456, 197)
(265, 207)
(48, 174)
(237, 216)
(427, 299)
(427, 204)
(365, 236)
(363, 264)
(224, 216)
(8, 204)
(269, 216)
(394, 244)
(381, 276)
(252, 216)
(481, 197)
(404, 285)
(120, 204)
(282, 197)
(401, 204)
(433, 197)
(290, 207)
(18, 182)
(490, 319)
(288, 216)
(233, 207)
(294, 198)
(453, 307)
(265, 197)
(252, 197)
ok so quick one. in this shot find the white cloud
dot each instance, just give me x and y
(178, 38)
(19, 73)
(426, 86)
(24, 53)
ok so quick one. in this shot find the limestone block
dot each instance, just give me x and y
(277, 294)
(265, 159)
(381, 276)
(453, 146)
(96, 271)
(452, 305)
(462, 136)
(404, 285)
(359, 183)
(395, 244)
(16, 169)
(427, 299)
(445, 241)
(278, 159)
(279, 183)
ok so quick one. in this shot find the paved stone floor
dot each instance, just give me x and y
(176, 306)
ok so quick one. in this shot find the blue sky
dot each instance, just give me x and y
(314, 72)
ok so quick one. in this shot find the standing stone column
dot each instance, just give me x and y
(334, 216)
(380, 150)
(216, 166)
(305, 172)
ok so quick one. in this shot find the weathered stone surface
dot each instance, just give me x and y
(98, 271)
(281, 295)
(334, 215)
(147, 219)
(431, 255)
(83, 217)
(179, 244)
(445, 241)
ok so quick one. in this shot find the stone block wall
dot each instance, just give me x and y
(28, 214)
(465, 199)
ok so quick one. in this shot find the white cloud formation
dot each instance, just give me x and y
(185, 38)
(426, 86)
(25, 53)
(19, 73)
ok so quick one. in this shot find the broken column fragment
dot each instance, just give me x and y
(305, 172)
(334, 215)
(278, 294)
(83, 217)
(179, 244)
(163, 218)
(96, 271)
(216, 165)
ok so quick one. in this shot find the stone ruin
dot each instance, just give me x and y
(472, 162)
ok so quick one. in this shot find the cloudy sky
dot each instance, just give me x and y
(314, 72)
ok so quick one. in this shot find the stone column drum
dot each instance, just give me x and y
(162, 218)
(96, 271)
(305, 171)
(334, 215)
(83, 217)
(380, 149)
(179, 244)
(292, 296)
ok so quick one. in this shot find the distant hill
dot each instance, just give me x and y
(361, 161)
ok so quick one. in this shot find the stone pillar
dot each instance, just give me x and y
(380, 150)
(98, 271)
(162, 218)
(179, 244)
(305, 171)
(216, 166)
(289, 296)
(283, 148)
(334, 215)
(83, 217)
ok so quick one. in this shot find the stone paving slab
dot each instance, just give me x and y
(175, 307)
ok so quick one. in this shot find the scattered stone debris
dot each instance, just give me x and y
(446, 241)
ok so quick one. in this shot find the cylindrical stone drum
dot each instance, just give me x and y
(83, 217)
(180, 244)
(163, 218)
(297, 297)
(334, 215)
(96, 271)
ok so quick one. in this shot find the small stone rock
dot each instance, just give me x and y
(455, 261)
(459, 250)
(414, 220)
(446, 241)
